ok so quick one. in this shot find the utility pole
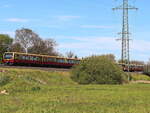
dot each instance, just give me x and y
(125, 40)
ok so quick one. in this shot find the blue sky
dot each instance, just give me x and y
(84, 27)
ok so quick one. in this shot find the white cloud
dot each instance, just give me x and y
(95, 26)
(67, 18)
(141, 45)
(6, 5)
(85, 46)
(16, 20)
(91, 45)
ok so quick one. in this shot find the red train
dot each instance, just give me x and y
(15, 58)
(132, 68)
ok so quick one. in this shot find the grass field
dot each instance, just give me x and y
(32, 91)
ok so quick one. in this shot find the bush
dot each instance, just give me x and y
(0, 59)
(98, 70)
(36, 88)
(135, 77)
(4, 80)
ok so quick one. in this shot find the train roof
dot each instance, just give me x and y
(130, 64)
(43, 55)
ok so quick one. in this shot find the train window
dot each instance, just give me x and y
(40, 59)
(71, 61)
(65, 60)
(31, 57)
(35, 58)
(57, 60)
(20, 57)
(79, 61)
(51, 59)
(60, 60)
(76, 62)
(27, 58)
(17, 56)
(24, 57)
(8, 56)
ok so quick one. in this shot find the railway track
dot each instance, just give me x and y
(37, 68)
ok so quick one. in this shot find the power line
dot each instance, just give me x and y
(125, 40)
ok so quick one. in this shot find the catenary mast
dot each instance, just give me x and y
(125, 40)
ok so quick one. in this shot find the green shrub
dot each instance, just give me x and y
(36, 88)
(98, 70)
(135, 77)
(0, 59)
(4, 80)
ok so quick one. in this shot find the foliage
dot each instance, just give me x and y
(136, 76)
(26, 38)
(16, 47)
(26, 79)
(98, 70)
(70, 54)
(46, 47)
(37, 88)
(30, 42)
(5, 43)
(110, 57)
(4, 80)
(34, 91)
(1, 59)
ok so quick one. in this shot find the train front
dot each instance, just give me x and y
(8, 58)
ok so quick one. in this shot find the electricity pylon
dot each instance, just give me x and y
(125, 40)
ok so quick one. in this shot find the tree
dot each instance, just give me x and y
(110, 56)
(45, 47)
(5, 43)
(50, 45)
(16, 47)
(32, 43)
(70, 54)
(26, 38)
(98, 70)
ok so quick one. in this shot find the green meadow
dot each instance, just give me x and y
(35, 91)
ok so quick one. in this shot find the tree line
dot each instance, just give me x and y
(27, 41)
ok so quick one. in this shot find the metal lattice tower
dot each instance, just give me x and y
(125, 40)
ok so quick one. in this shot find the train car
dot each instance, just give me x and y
(132, 67)
(15, 58)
